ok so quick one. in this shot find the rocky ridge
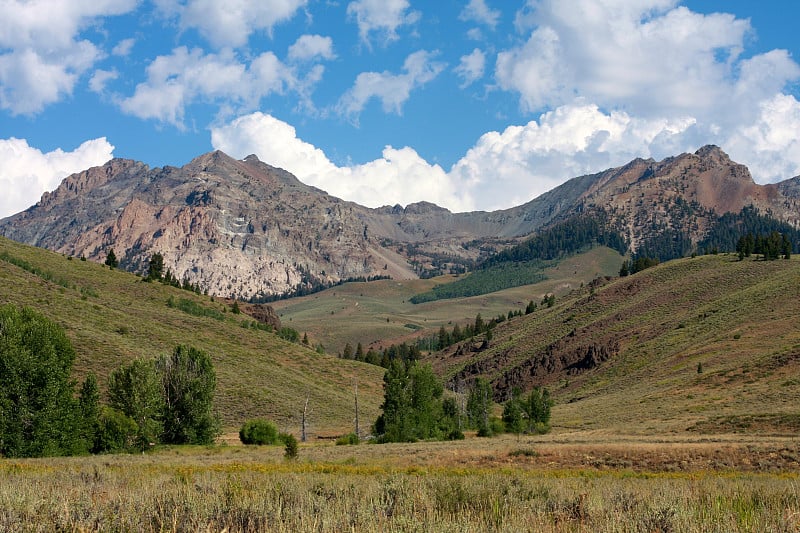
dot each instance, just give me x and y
(242, 228)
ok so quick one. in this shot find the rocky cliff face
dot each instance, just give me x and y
(244, 228)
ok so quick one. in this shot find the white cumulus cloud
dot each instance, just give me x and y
(503, 169)
(42, 54)
(26, 173)
(186, 77)
(391, 89)
(398, 176)
(478, 11)
(230, 23)
(311, 46)
(651, 58)
(382, 17)
(471, 67)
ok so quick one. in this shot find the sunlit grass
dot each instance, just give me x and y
(419, 487)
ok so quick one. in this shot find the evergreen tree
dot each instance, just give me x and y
(348, 351)
(444, 338)
(478, 327)
(111, 259)
(156, 267)
(359, 352)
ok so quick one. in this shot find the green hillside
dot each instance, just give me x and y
(113, 317)
(710, 344)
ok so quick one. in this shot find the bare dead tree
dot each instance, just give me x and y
(305, 414)
(358, 429)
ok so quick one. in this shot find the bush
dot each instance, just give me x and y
(349, 439)
(290, 445)
(259, 432)
(115, 432)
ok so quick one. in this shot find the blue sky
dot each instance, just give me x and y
(471, 104)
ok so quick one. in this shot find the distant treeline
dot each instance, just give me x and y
(410, 352)
(524, 263)
(486, 280)
(723, 235)
(565, 238)
(311, 285)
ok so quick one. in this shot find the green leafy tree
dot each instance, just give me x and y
(450, 423)
(537, 407)
(111, 259)
(514, 413)
(412, 407)
(135, 391)
(426, 405)
(188, 382)
(89, 407)
(290, 446)
(479, 406)
(393, 425)
(39, 415)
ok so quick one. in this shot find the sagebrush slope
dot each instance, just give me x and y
(681, 344)
(112, 317)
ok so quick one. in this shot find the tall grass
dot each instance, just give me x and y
(217, 491)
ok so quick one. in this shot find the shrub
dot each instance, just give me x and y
(290, 445)
(115, 433)
(259, 432)
(349, 439)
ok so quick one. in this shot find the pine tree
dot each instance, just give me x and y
(111, 259)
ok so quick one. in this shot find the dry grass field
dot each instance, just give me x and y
(563, 482)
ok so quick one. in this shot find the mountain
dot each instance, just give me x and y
(246, 229)
(708, 343)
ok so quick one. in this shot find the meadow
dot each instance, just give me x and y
(562, 482)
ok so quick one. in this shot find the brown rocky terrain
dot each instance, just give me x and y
(246, 229)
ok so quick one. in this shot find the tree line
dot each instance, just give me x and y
(445, 338)
(164, 400)
(568, 237)
(415, 408)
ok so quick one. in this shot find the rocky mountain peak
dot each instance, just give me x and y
(244, 228)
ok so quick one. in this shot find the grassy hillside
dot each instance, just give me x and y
(113, 317)
(709, 343)
(381, 311)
